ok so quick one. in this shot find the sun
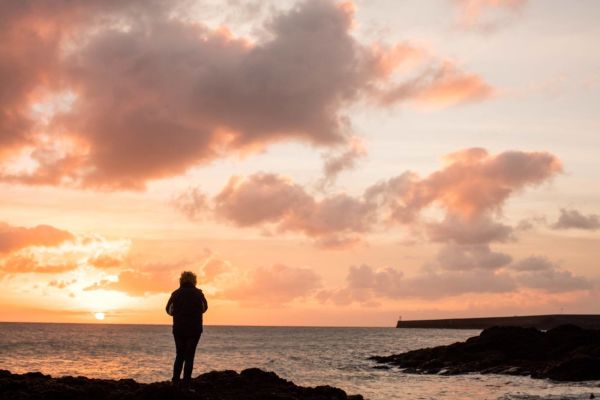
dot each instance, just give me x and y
(99, 316)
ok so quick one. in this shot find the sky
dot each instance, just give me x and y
(314, 162)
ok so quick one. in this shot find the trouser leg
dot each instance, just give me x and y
(190, 352)
(180, 346)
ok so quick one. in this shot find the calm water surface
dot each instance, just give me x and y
(305, 355)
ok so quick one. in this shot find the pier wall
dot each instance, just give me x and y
(543, 322)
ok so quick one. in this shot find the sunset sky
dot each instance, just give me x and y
(314, 162)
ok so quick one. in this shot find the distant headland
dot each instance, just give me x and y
(542, 322)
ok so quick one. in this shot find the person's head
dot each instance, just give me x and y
(187, 277)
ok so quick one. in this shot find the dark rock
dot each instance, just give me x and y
(575, 369)
(565, 353)
(250, 384)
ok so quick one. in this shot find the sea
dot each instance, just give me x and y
(308, 356)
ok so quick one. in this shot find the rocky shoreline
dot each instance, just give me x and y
(565, 353)
(250, 384)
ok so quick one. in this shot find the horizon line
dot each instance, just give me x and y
(205, 325)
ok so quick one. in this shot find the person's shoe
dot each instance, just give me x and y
(175, 382)
(187, 385)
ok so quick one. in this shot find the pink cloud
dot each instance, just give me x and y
(275, 285)
(534, 263)
(136, 283)
(477, 230)
(450, 86)
(479, 12)
(141, 279)
(441, 85)
(21, 264)
(573, 219)
(192, 203)
(469, 257)
(107, 261)
(156, 95)
(260, 198)
(474, 182)
(273, 199)
(213, 268)
(336, 163)
(471, 189)
(540, 273)
(13, 238)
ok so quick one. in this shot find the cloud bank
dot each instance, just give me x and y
(112, 94)
(470, 189)
(368, 285)
(45, 249)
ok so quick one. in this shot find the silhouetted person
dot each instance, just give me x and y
(186, 305)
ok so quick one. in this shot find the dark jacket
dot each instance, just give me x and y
(186, 305)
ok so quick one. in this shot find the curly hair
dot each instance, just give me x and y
(188, 277)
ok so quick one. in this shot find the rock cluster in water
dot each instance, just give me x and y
(565, 353)
(250, 384)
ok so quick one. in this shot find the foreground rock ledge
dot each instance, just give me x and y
(565, 353)
(250, 384)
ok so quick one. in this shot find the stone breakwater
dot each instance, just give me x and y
(565, 353)
(250, 384)
(544, 322)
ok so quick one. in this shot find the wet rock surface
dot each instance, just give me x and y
(250, 384)
(565, 353)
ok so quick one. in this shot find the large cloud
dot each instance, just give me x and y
(155, 94)
(472, 183)
(471, 189)
(35, 36)
(272, 199)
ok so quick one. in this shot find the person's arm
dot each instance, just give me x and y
(204, 304)
(168, 307)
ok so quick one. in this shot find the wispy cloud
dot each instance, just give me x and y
(573, 219)
(486, 14)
